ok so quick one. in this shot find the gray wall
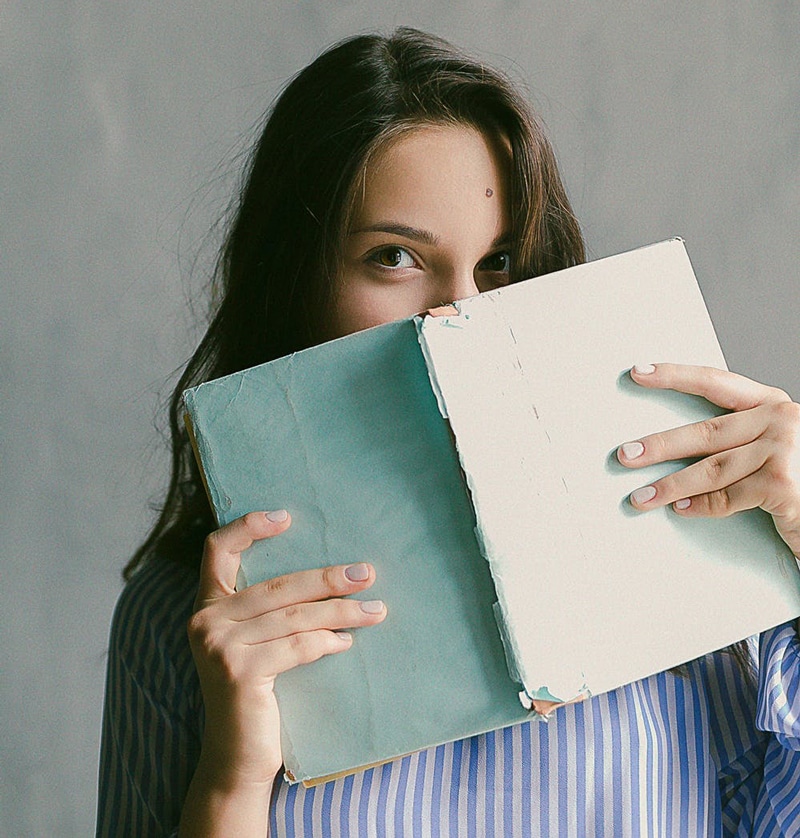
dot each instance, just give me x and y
(121, 123)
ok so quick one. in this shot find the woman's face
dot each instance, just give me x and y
(431, 226)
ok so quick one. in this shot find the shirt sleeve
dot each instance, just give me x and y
(755, 737)
(779, 685)
(778, 713)
(152, 715)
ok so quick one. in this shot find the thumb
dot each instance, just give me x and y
(223, 550)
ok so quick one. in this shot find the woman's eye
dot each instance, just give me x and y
(393, 257)
(497, 263)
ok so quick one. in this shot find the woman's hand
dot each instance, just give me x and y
(751, 456)
(240, 642)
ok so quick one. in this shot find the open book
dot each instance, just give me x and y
(470, 458)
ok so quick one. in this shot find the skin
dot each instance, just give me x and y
(751, 455)
(432, 227)
(426, 232)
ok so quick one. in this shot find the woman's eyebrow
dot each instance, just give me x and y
(423, 236)
(417, 234)
(503, 240)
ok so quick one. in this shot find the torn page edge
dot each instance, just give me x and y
(505, 638)
(499, 608)
(515, 663)
(458, 320)
(527, 700)
(419, 322)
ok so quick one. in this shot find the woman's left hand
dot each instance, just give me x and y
(751, 455)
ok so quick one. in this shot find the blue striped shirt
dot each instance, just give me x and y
(702, 755)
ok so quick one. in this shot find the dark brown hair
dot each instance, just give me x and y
(274, 284)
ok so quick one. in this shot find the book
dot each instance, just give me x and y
(471, 459)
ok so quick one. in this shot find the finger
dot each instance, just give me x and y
(285, 653)
(332, 614)
(223, 549)
(744, 494)
(302, 586)
(708, 475)
(718, 433)
(723, 388)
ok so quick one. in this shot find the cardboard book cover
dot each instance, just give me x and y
(470, 459)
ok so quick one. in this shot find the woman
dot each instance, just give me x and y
(393, 175)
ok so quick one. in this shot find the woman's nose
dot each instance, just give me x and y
(460, 285)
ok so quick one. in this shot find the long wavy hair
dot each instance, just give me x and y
(274, 283)
(276, 272)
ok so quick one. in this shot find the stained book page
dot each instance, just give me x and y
(534, 381)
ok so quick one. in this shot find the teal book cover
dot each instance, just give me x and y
(469, 458)
(348, 436)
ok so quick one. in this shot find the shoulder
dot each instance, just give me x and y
(153, 705)
(148, 630)
(159, 592)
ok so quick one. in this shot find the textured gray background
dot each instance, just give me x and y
(121, 126)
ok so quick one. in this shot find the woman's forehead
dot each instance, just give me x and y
(435, 174)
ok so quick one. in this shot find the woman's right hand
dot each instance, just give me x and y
(242, 640)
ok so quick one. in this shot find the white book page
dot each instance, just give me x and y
(534, 380)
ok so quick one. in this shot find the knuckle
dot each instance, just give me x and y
(294, 613)
(780, 396)
(212, 541)
(789, 412)
(709, 429)
(252, 521)
(215, 649)
(714, 466)
(201, 632)
(309, 646)
(331, 579)
(719, 503)
(197, 627)
(275, 585)
(207, 638)
(348, 611)
(666, 488)
(781, 476)
(303, 646)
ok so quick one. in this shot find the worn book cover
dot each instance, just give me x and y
(470, 458)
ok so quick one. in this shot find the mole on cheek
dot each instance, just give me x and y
(489, 192)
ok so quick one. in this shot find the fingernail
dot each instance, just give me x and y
(344, 635)
(632, 450)
(278, 516)
(371, 606)
(643, 369)
(684, 503)
(644, 494)
(357, 572)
